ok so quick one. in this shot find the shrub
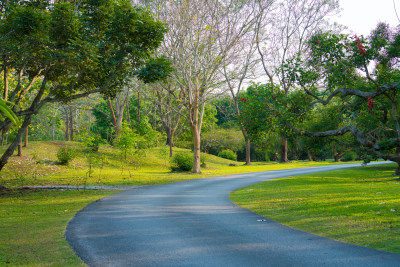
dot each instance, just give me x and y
(227, 154)
(182, 162)
(91, 140)
(350, 156)
(65, 155)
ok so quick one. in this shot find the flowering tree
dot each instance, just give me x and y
(362, 76)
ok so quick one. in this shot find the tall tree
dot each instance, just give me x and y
(339, 69)
(201, 36)
(72, 51)
(283, 34)
(240, 66)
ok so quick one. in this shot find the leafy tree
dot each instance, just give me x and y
(363, 76)
(60, 52)
(127, 141)
(283, 33)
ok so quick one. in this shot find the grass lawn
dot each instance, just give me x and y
(33, 224)
(359, 205)
(38, 166)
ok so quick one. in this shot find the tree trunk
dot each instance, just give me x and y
(171, 145)
(284, 150)
(10, 150)
(26, 137)
(71, 124)
(20, 148)
(66, 126)
(248, 160)
(196, 152)
(118, 124)
(138, 107)
(128, 115)
(309, 156)
(5, 94)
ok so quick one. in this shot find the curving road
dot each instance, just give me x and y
(193, 223)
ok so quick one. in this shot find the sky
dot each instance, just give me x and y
(361, 16)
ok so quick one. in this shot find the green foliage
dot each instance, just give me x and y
(127, 141)
(265, 109)
(90, 140)
(347, 92)
(72, 51)
(7, 112)
(218, 139)
(147, 136)
(157, 69)
(349, 156)
(226, 112)
(65, 155)
(182, 162)
(227, 154)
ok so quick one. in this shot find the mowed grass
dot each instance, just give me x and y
(33, 224)
(359, 205)
(38, 166)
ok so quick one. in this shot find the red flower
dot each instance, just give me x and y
(243, 99)
(319, 41)
(370, 102)
(360, 46)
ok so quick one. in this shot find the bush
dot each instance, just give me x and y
(350, 156)
(182, 162)
(65, 155)
(91, 140)
(227, 154)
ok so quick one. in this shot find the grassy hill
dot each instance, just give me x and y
(39, 166)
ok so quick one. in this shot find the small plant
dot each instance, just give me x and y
(91, 140)
(21, 180)
(203, 160)
(182, 162)
(227, 154)
(65, 155)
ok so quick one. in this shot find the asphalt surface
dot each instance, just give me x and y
(194, 223)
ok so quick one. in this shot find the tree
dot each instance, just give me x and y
(240, 66)
(362, 74)
(201, 36)
(71, 52)
(283, 33)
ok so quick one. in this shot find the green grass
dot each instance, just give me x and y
(144, 167)
(359, 205)
(33, 224)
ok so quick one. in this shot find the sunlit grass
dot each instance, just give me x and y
(107, 167)
(33, 225)
(358, 205)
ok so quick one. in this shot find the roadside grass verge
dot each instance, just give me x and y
(38, 166)
(33, 224)
(358, 205)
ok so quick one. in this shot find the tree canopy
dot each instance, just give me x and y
(60, 52)
(356, 78)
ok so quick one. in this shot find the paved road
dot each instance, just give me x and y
(193, 223)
